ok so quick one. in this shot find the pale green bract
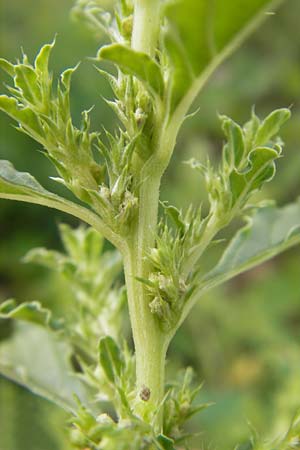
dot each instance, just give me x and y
(162, 54)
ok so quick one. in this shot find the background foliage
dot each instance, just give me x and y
(243, 339)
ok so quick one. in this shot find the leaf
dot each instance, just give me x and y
(42, 59)
(18, 411)
(22, 186)
(51, 259)
(7, 67)
(82, 244)
(135, 63)
(234, 150)
(269, 232)
(295, 426)
(23, 115)
(165, 442)
(26, 80)
(34, 358)
(110, 358)
(13, 183)
(288, 440)
(261, 169)
(202, 33)
(271, 126)
(175, 215)
(29, 312)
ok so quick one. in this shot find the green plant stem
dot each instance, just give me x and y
(146, 24)
(150, 343)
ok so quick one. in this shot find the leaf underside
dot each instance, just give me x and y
(269, 232)
(35, 359)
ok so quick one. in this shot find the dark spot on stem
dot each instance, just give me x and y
(145, 393)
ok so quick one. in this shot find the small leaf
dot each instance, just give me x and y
(110, 358)
(235, 148)
(34, 358)
(8, 67)
(42, 60)
(261, 169)
(93, 244)
(262, 166)
(48, 258)
(295, 426)
(197, 409)
(26, 80)
(165, 442)
(135, 63)
(175, 215)
(250, 131)
(66, 77)
(23, 115)
(72, 241)
(29, 312)
(270, 127)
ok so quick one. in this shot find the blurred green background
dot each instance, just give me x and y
(243, 339)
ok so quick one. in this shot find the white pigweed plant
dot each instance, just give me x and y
(161, 55)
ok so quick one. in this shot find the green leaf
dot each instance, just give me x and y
(261, 170)
(27, 81)
(29, 312)
(271, 126)
(175, 215)
(7, 67)
(48, 373)
(42, 60)
(234, 150)
(202, 33)
(51, 259)
(18, 411)
(14, 183)
(294, 431)
(135, 63)
(269, 232)
(22, 186)
(165, 442)
(285, 441)
(23, 115)
(110, 358)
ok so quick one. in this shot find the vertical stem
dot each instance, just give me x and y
(150, 343)
(146, 22)
(150, 346)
